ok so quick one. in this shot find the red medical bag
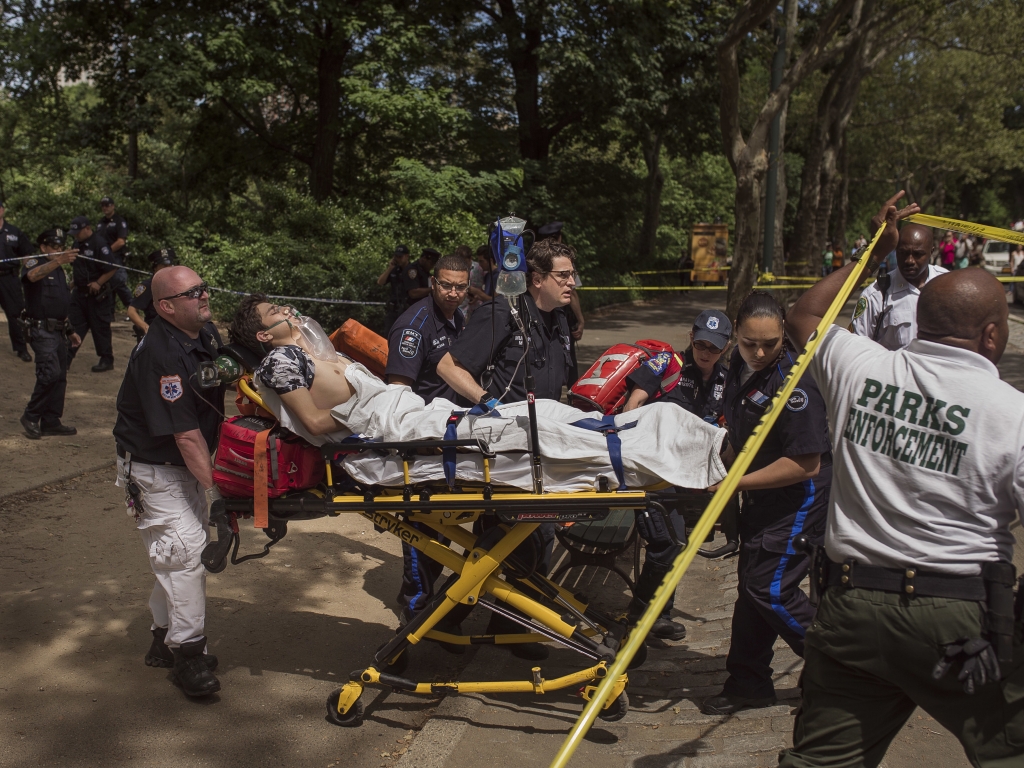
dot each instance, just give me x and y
(289, 463)
(603, 387)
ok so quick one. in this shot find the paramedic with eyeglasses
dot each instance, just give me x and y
(166, 430)
(418, 341)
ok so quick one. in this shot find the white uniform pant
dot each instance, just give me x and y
(174, 528)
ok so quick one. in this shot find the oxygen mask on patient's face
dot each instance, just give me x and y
(318, 344)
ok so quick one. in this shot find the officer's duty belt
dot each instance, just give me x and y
(904, 581)
(122, 454)
(47, 324)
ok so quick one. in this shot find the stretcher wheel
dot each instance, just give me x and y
(351, 719)
(640, 657)
(617, 710)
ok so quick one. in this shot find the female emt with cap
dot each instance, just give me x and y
(785, 493)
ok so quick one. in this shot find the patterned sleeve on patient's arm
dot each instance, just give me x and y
(286, 369)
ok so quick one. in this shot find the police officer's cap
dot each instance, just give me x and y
(430, 253)
(106, 201)
(402, 250)
(550, 230)
(78, 223)
(54, 236)
(163, 257)
(713, 327)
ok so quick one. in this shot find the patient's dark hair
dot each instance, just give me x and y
(247, 323)
(453, 263)
(760, 304)
(542, 255)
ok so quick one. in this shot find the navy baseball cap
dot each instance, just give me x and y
(550, 230)
(401, 250)
(713, 327)
(54, 236)
(163, 257)
(431, 253)
(78, 223)
(107, 201)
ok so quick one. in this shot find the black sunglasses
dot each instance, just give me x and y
(194, 292)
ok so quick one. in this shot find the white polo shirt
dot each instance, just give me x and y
(928, 455)
(899, 326)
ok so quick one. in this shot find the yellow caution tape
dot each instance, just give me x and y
(991, 233)
(707, 521)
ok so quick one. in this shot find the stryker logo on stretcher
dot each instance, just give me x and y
(924, 446)
(389, 524)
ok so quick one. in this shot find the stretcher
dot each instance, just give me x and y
(496, 570)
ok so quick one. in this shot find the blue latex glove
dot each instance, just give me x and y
(486, 409)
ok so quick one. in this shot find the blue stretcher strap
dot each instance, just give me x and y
(607, 426)
(451, 432)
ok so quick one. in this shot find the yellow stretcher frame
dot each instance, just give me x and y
(476, 574)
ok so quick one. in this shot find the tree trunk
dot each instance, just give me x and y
(839, 231)
(750, 174)
(133, 153)
(653, 187)
(329, 67)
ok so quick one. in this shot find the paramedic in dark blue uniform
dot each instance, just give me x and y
(698, 386)
(92, 299)
(393, 277)
(785, 494)
(416, 278)
(418, 340)
(47, 302)
(141, 311)
(115, 229)
(13, 244)
(490, 350)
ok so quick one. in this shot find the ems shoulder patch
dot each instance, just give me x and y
(31, 263)
(797, 401)
(659, 363)
(170, 388)
(862, 305)
(409, 346)
(140, 289)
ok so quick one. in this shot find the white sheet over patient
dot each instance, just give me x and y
(667, 444)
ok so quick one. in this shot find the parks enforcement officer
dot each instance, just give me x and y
(492, 349)
(115, 229)
(393, 276)
(13, 244)
(417, 276)
(141, 311)
(165, 432)
(916, 605)
(886, 311)
(47, 301)
(785, 495)
(418, 341)
(697, 385)
(92, 298)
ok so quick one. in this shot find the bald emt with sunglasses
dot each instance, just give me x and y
(165, 432)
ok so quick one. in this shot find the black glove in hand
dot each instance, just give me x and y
(977, 657)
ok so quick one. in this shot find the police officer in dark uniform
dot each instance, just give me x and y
(393, 276)
(115, 229)
(47, 301)
(418, 341)
(417, 276)
(695, 382)
(785, 494)
(92, 298)
(166, 430)
(13, 243)
(142, 311)
(485, 364)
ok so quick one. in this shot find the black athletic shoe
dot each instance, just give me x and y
(58, 430)
(159, 655)
(728, 549)
(31, 428)
(726, 704)
(24, 355)
(666, 629)
(103, 365)
(190, 670)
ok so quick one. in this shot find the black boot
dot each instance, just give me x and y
(191, 672)
(159, 655)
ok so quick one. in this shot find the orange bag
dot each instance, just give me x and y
(363, 345)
